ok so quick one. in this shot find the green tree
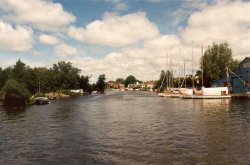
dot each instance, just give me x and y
(66, 76)
(100, 84)
(120, 80)
(130, 80)
(5, 75)
(164, 81)
(19, 70)
(15, 94)
(85, 85)
(215, 61)
(30, 80)
(62, 76)
(41, 81)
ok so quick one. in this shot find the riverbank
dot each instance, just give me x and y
(61, 94)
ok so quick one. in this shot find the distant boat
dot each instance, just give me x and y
(41, 100)
(210, 93)
(206, 93)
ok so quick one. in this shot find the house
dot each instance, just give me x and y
(148, 84)
(134, 86)
(112, 85)
(239, 79)
(115, 85)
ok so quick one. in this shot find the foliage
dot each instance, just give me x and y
(39, 94)
(164, 81)
(120, 80)
(15, 94)
(66, 76)
(62, 76)
(130, 80)
(215, 60)
(85, 85)
(19, 70)
(100, 84)
(4, 76)
(67, 92)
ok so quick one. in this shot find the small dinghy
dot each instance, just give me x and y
(41, 100)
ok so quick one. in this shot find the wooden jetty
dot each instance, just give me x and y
(241, 95)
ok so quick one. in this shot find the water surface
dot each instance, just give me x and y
(127, 128)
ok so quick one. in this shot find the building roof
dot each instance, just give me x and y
(247, 58)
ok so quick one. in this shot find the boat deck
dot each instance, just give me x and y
(207, 97)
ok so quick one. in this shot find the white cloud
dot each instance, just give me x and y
(48, 39)
(163, 42)
(18, 38)
(121, 6)
(156, 1)
(116, 31)
(10, 61)
(214, 22)
(118, 5)
(65, 50)
(43, 15)
(144, 63)
(224, 21)
(38, 53)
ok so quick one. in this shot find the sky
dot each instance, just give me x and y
(121, 37)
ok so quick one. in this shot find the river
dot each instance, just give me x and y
(127, 128)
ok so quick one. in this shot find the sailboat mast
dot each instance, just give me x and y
(202, 67)
(169, 68)
(192, 66)
(171, 65)
(167, 72)
(179, 80)
(185, 75)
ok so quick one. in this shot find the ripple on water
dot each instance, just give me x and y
(127, 128)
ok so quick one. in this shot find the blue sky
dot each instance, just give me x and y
(119, 37)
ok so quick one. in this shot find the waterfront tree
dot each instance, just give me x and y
(30, 80)
(15, 94)
(100, 84)
(130, 80)
(18, 71)
(4, 76)
(165, 80)
(85, 85)
(120, 80)
(66, 76)
(215, 61)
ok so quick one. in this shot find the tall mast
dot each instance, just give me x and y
(192, 66)
(167, 71)
(179, 67)
(202, 67)
(171, 70)
(185, 75)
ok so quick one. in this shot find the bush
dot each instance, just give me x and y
(15, 94)
(40, 94)
(67, 92)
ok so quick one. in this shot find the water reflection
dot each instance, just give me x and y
(12, 113)
(128, 128)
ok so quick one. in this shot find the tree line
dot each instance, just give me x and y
(214, 63)
(23, 81)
